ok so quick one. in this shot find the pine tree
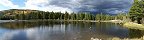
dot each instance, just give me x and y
(136, 11)
(66, 16)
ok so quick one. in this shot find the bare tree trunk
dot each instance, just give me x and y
(139, 20)
(142, 20)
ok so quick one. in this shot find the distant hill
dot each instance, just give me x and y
(26, 11)
(12, 12)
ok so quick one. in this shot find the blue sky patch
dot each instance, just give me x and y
(18, 2)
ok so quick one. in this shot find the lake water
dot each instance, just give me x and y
(59, 30)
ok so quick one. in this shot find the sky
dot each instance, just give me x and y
(94, 6)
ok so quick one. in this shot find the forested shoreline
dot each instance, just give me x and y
(35, 15)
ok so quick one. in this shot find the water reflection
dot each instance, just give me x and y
(58, 30)
(135, 33)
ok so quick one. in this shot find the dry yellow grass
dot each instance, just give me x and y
(116, 38)
(133, 25)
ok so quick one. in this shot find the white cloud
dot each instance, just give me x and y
(40, 5)
(56, 9)
(8, 3)
(72, 5)
(36, 5)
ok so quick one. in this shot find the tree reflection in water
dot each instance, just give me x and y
(67, 30)
(135, 33)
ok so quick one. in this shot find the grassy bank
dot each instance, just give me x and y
(113, 21)
(116, 38)
(133, 25)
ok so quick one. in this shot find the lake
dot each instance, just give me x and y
(64, 30)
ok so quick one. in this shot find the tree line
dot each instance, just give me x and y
(62, 16)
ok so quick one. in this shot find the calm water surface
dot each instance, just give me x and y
(58, 30)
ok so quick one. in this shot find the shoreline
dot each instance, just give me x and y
(133, 25)
(130, 25)
(117, 38)
(112, 21)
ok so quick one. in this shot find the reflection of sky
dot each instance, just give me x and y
(42, 33)
(62, 32)
(2, 30)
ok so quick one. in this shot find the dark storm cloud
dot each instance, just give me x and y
(106, 6)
